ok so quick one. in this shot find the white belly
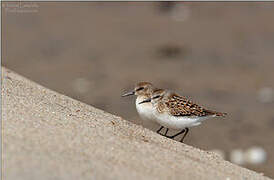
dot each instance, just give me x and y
(178, 123)
(145, 110)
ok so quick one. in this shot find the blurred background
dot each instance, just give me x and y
(218, 54)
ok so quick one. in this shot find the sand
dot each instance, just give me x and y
(47, 135)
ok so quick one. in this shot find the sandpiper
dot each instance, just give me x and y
(143, 91)
(177, 112)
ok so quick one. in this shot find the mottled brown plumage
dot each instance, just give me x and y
(181, 106)
(140, 84)
(177, 105)
(177, 112)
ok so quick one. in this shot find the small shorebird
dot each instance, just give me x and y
(177, 112)
(143, 91)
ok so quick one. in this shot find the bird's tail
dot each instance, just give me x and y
(215, 113)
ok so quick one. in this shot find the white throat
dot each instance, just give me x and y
(145, 110)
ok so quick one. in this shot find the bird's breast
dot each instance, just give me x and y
(144, 109)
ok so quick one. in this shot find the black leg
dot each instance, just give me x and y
(166, 131)
(176, 134)
(160, 129)
(184, 134)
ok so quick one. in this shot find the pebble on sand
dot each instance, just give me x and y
(237, 156)
(255, 155)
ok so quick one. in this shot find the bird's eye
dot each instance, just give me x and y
(155, 97)
(140, 88)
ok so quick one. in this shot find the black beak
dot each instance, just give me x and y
(129, 94)
(145, 101)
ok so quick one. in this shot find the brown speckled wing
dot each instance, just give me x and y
(161, 108)
(181, 106)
